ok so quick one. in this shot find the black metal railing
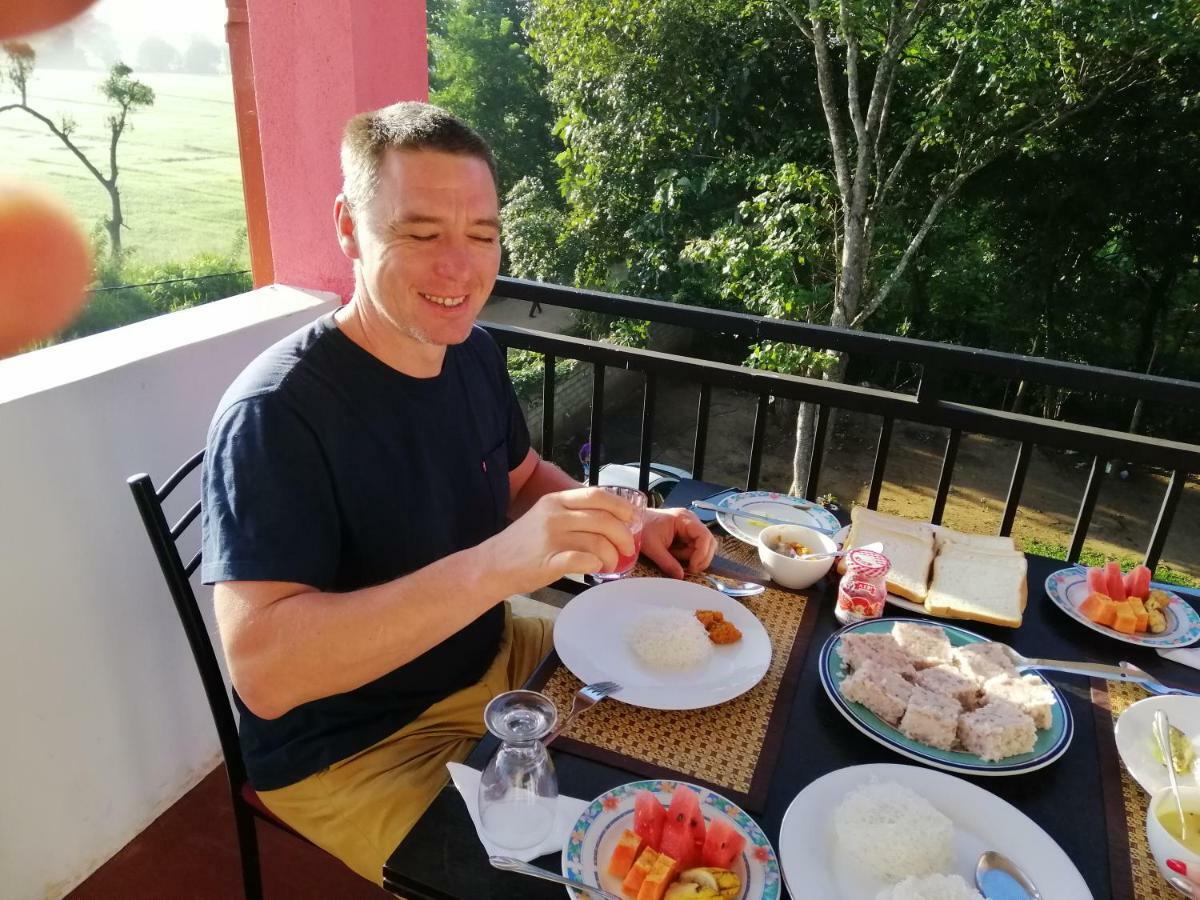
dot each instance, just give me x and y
(928, 407)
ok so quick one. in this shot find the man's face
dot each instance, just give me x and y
(429, 243)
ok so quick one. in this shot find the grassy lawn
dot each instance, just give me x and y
(180, 179)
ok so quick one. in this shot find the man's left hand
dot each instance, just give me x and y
(674, 536)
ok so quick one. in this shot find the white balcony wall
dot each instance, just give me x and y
(104, 721)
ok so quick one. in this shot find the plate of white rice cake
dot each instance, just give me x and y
(944, 696)
(643, 634)
(895, 832)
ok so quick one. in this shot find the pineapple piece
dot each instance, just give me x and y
(718, 883)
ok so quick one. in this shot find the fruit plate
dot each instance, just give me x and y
(795, 510)
(1068, 588)
(1051, 743)
(816, 865)
(595, 835)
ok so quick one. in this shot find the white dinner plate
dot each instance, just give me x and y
(1134, 738)
(1068, 588)
(814, 866)
(594, 837)
(794, 510)
(592, 637)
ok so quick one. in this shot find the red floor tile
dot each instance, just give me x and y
(190, 853)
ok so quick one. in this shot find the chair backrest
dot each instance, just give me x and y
(164, 539)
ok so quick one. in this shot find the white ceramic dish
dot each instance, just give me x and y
(787, 571)
(1133, 732)
(795, 510)
(592, 840)
(591, 636)
(813, 865)
(1163, 845)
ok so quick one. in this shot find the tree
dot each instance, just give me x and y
(482, 72)
(156, 55)
(202, 57)
(697, 152)
(124, 92)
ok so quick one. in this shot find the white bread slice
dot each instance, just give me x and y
(910, 554)
(947, 536)
(870, 517)
(984, 586)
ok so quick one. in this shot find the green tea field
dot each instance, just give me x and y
(179, 173)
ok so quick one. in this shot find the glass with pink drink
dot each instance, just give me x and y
(625, 561)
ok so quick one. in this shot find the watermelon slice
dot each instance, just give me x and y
(683, 834)
(648, 818)
(1116, 584)
(1097, 580)
(1138, 582)
(722, 845)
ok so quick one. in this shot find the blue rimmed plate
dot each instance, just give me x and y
(795, 510)
(592, 840)
(1051, 743)
(1068, 588)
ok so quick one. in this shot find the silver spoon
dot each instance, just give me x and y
(1162, 734)
(999, 878)
(508, 864)
(734, 588)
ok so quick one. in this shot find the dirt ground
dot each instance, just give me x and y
(1121, 524)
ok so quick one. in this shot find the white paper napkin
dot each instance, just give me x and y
(1189, 656)
(466, 780)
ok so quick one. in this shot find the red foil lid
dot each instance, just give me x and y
(868, 563)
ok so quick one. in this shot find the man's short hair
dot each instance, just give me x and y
(408, 125)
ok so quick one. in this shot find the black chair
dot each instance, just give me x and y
(246, 805)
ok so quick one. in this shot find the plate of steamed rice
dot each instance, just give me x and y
(644, 634)
(893, 832)
(944, 696)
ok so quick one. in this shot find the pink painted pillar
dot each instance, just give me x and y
(317, 63)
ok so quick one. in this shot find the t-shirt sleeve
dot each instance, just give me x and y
(518, 429)
(269, 512)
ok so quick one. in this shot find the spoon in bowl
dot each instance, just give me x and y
(1162, 734)
(999, 878)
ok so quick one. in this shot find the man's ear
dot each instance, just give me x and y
(343, 219)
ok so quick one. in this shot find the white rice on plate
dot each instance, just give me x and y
(894, 832)
(670, 638)
(931, 887)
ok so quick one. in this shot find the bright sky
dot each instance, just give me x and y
(175, 21)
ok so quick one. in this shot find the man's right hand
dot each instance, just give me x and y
(565, 532)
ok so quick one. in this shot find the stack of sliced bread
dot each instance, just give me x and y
(955, 575)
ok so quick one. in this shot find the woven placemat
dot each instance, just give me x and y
(1132, 868)
(731, 747)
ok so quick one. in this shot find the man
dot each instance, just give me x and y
(358, 487)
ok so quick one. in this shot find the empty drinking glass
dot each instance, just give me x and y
(518, 791)
(625, 562)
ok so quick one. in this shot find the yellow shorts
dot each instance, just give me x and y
(360, 809)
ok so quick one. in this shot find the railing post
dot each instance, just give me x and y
(1165, 513)
(1084, 518)
(818, 452)
(881, 455)
(647, 431)
(943, 490)
(597, 429)
(548, 362)
(756, 443)
(1014, 488)
(701, 431)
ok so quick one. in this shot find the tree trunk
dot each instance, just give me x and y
(806, 427)
(114, 223)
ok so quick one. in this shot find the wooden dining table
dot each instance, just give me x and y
(1080, 799)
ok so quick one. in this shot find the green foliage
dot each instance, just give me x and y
(1087, 557)
(527, 369)
(481, 72)
(125, 91)
(202, 279)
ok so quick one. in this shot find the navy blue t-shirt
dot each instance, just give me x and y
(327, 467)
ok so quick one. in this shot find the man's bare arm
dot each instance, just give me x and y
(288, 644)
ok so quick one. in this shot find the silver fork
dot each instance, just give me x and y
(585, 698)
